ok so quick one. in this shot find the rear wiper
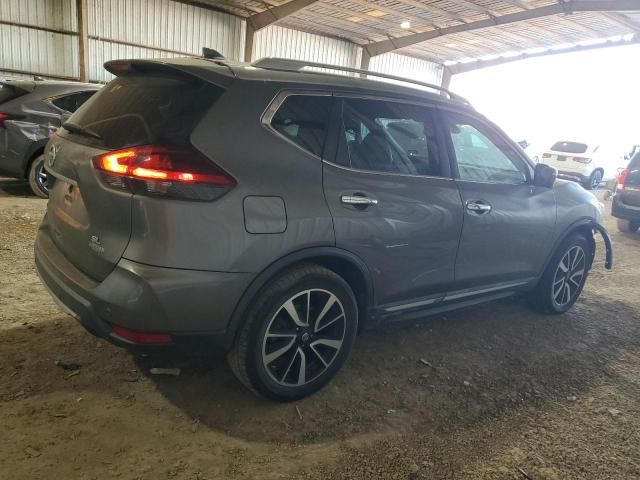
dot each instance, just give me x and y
(75, 128)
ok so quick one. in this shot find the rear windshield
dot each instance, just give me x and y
(9, 92)
(145, 109)
(569, 147)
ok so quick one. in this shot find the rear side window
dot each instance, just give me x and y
(569, 147)
(303, 119)
(145, 109)
(9, 92)
(71, 103)
(386, 136)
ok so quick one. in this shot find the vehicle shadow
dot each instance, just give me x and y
(444, 372)
(12, 186)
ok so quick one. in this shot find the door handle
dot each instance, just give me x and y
(358, 200)
(478, 206)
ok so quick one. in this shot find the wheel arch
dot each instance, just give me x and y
(36, 149)
(585, 226)
(344, 263)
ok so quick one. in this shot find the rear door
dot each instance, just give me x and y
(89, 217)
(393, 202)
(507, 221)
(630, 194)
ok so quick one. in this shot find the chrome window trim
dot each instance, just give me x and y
(281, 96)
(373, 172)
(275, 104)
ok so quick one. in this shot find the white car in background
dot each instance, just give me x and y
(583, 162)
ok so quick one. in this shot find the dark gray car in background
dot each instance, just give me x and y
(276, 212)
(30, 110)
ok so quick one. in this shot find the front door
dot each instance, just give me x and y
(392, 200)
(508, 222)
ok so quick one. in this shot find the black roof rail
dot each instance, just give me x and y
(286, 64)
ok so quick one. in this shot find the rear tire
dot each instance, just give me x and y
(305, 321)
(594, 180)
(627, 226)
(38, 178)
(565, 276)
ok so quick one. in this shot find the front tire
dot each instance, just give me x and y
(594, 180)
(297, 335)
(38, 178)
(625, 226)
(565, 276)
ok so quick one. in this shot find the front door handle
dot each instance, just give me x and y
(358, 200)
(478, 206)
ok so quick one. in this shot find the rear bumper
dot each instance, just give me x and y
(194, 307)
(575, 176)
(625, 212)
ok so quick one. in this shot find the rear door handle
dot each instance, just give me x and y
(478, 206)
(358, 200)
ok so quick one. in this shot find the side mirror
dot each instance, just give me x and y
(544, 175)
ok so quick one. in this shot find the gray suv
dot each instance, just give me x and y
(30, 111)
(276, 212)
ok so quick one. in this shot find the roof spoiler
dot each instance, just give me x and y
(181, 66)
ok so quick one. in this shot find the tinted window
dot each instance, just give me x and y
(385, 136)
(70, 103)
(482, 155)
(303, 119)
(145, 109)
(9, 92)
(569, 147)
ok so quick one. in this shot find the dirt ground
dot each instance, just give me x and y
(503, 393)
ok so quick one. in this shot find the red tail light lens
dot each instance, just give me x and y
(584, 160)
(178, 172)
(622, 177)
(546, 155)
(3, 117)
(140, 337)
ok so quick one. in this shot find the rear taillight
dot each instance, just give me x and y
(622, 177)
(584, 160)
(546, 155)
(8, 116)
(177, 172)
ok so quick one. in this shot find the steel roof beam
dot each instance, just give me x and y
(477, 64)
(275, 14)
(390, 45)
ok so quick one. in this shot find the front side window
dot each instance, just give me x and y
(482, 155)
(304, 119)
(388, 136)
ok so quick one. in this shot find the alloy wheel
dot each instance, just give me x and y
(596, 179)
(304, 337)
(569, 275)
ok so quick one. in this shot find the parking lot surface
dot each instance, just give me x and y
(489, 392)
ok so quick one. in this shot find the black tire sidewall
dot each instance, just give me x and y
(259, 378)
(33, 181)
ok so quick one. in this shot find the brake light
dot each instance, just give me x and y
(622, 177)
(584, 160)
(3, 117)
(179, 172)
(546, 155)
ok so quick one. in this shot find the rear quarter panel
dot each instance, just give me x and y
(212, 235)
